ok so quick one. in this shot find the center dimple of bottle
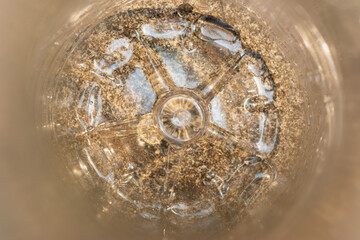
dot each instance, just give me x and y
(181, 118)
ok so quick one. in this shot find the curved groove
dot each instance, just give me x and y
(218, 79)
(253, 192)
(180, 165)
(154, 68)
(117, 129)
(228, 136)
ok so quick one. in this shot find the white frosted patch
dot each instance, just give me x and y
(217, 112)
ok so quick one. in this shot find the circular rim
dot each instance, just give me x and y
(190, 96)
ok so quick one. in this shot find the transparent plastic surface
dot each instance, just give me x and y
(182, 119)
(175, 118)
